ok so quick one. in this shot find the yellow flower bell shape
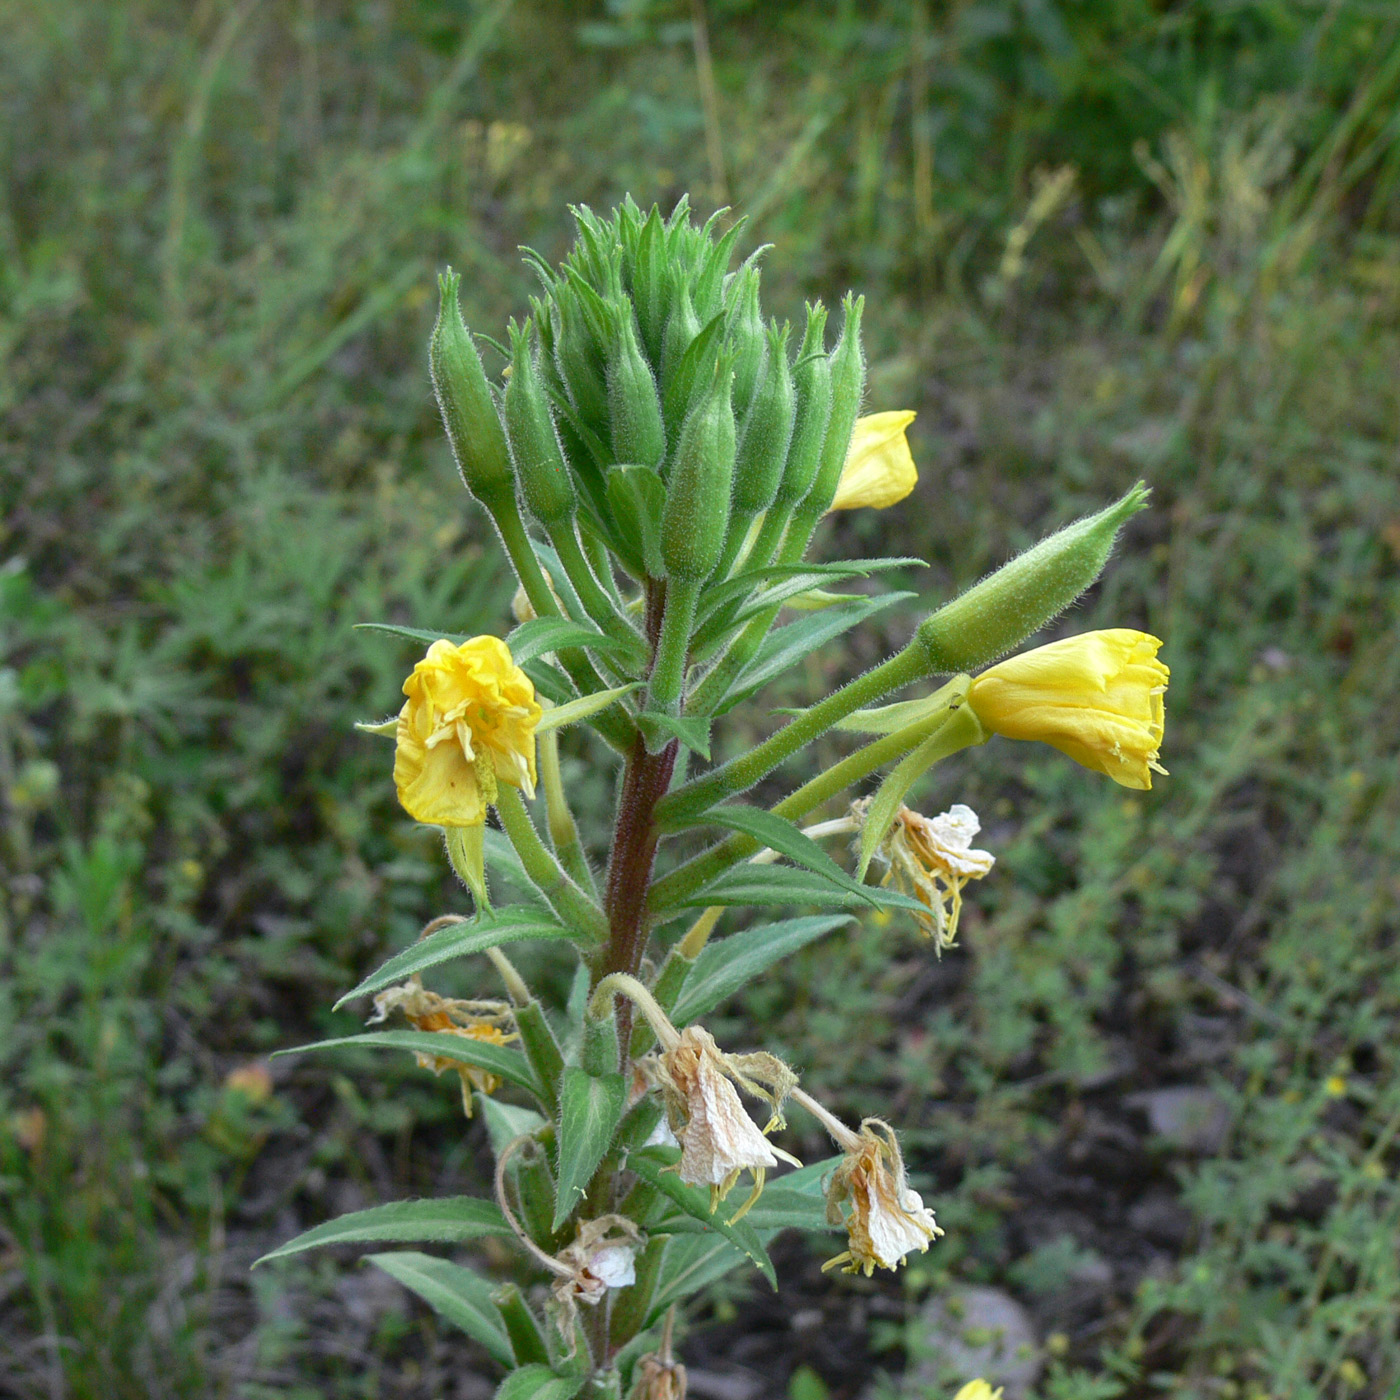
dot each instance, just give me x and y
(879, 467)
(1096, 697)
(467, 725)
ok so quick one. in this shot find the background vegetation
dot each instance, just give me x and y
(1098, 241)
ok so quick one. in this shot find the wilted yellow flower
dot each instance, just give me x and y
(473, 1020)
(1096, 697)
(885, 1218)
(978, 1390)
(468, 723)
(932, 858)
(718, 1139)
(879, 468)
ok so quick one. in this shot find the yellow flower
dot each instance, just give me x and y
(1096, 697)
(468, 723)
(932, 858)
(879, 469)
(885, 1218)
(978, 1390)
(473, 1020)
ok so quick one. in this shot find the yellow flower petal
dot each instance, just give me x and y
(879, 468)
(469, 722)
(1096, 697)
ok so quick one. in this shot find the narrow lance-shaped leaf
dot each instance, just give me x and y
(508, 925)
(448, 1220)
(458, 1294)
(504, 1063)
(575, 710)
(783, 649)
(782, 836)
(730, 963)
(655, 1166)
(590, 1109)
(769, 886)
(540, 1383)
(544, 634)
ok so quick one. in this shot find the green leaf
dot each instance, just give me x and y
(772, 886)
(414, 634)
(589, 1111)
(545, 634)
(782, 836)
(506, 1121)
(509, 1065)
(692, 730)
(655, 1166)
(446, 1220)
(503, 862)
(690, 1262)
(783, 649)
(581, 708)
(727, 964)
(461, 1296)
(795, 1201)
(539, 1383)
(550, 681)
(637, 496)
(508, 925)
(801, 576)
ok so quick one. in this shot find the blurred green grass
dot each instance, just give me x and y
(1098, 242)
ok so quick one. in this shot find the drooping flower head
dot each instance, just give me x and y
(1096, 697)
(879, 468)
(932, 858)
(473, 1020)
(468, 723)
(718, 1139)
(885, 1218)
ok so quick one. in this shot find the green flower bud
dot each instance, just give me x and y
(696, 517)
(709, 283)
(847, 390)
(539, 460)
(1021, 597)
(634, 410)
(578, 356)
(682, 326)
(763, 447)
(812, 386)
(746, 335)
(649, 285)
(464, 396)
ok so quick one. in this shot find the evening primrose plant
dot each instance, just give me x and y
(656, 459)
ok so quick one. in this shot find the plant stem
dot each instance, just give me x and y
(740, 773)
(644, 781)
(563, 830)
(565, 897)
(506, 514)
(701, 869)
(668, 666)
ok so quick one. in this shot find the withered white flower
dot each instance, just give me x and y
(932, 858)
(602, 1256)
(885, 1218)
(719, 1141)
(473, 1020)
